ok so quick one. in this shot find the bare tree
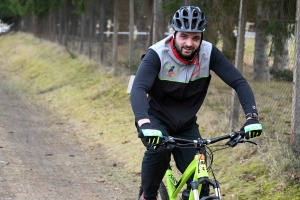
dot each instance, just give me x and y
(157, 24)
(101, 31)
(115, 36)
(60, 33)
(295, 136)
(67, 13)
(260, 62)
(281, 12)
(229, 11)
(239, 59)
(144, 14)
(155, 20)
(82, 29)
(281, 52)
(131, 27)
(91, 28)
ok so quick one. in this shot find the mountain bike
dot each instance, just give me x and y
(198, 168)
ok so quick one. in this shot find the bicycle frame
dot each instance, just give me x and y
(199, 168)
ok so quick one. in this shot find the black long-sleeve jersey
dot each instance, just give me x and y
(173, 89)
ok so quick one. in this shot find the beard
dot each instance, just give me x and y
(187, 56)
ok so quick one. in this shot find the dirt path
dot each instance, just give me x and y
(39, 160)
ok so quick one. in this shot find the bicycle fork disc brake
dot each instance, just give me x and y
(201, 176)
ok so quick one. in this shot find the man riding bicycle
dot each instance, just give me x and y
(169, 89)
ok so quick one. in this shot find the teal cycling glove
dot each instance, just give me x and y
(252, 128)
(152, 136)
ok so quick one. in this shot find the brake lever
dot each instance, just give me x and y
(238, 139)
(169, 143)
(232, 143)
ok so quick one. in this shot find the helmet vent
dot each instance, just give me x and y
(178, 22)
(186, 23)
(194, 22)
(195, 14)
(185, 13)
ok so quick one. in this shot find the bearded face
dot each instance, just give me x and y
(187, 43)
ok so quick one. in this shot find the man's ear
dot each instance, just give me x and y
(173, 33)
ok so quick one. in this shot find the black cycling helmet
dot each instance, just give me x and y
(189, 19)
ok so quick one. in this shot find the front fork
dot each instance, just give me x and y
(196, 187)
(196, 184)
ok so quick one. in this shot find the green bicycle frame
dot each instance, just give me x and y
(197, 166)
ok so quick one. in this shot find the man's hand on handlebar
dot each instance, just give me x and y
(252, 128)
(150, 135)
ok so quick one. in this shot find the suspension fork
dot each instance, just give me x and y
(200, 177)
(200, 172)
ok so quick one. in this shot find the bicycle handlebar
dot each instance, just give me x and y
(235, 138)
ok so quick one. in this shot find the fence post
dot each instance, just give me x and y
(295, 132)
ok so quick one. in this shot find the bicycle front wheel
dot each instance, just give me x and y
(162, 192)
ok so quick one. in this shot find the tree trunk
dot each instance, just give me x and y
(154, 25)
(55, 22)
(101, 32)
(50, 27)
(91, 29)
(115, 38)
(295, 135)
(74, 28)
(239, 60)
(161, 26)
(260, 62)
(66, 22)
(229, 39)
(123, 19)
(281, 52)
(144, 20)
(131, 27)
(158, 22)
(60, 25)
(82, 29)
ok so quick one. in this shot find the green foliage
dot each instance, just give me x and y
(282, 17)
(7, 14)
(172, 5)
(26, 7)
(80, 5)
(45, 7)
(11, 9)
(284, 75)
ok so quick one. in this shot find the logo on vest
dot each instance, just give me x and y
(172, 71)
